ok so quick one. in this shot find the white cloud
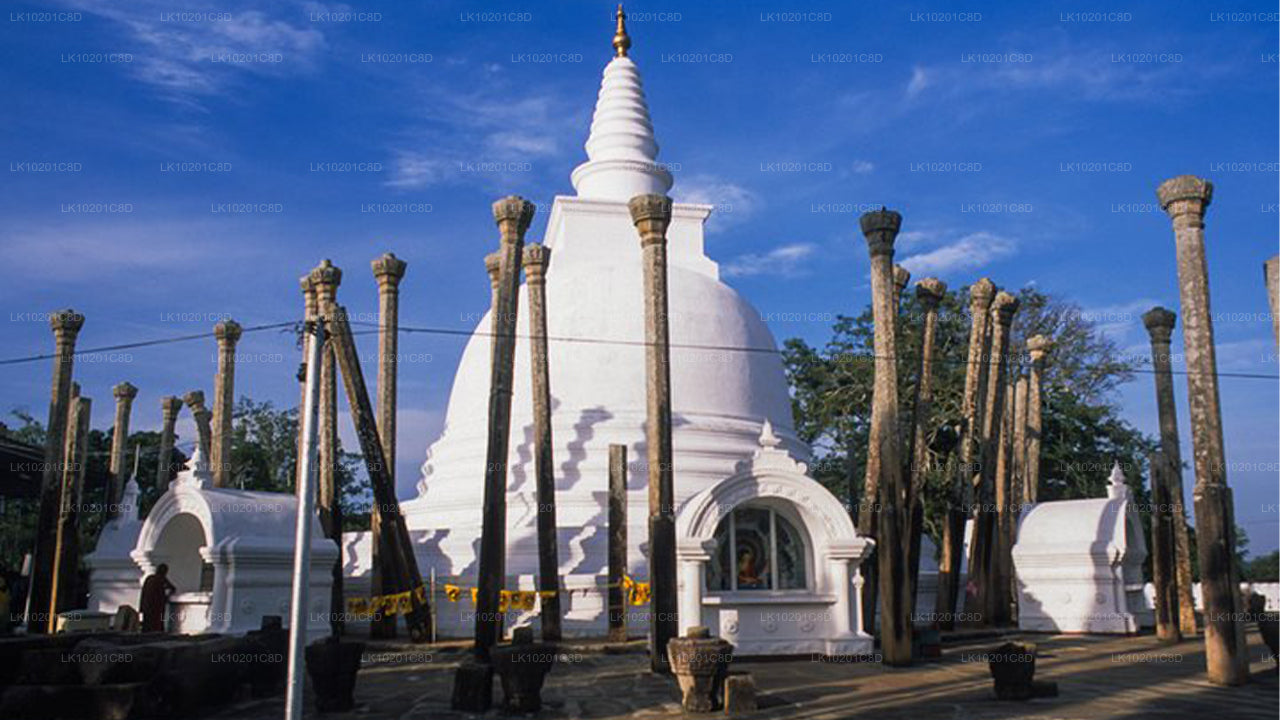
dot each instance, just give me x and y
(919, 81)
(971, 251)
(784, 261)
(734, 204)
(862, 167)
(178, 58)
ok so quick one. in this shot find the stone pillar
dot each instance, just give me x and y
(1185, 199)
(1037, 347)
(1018, 482)
(63, 595)
(325, 279)
(513, 215)
(170, 406)
(652, 215)
(1163, 575)
(901, 276)
(308, 315)
(1271, 276)
(881, 229)
(929, 292)
(842, 610)
(203, 418)
(1002, 563)
(617, 542)
(124, 394)
(388, 270)
(981, 294)
(224, 400)
(66, 326)
(536, 258)
(982, 601)
(1159, 323)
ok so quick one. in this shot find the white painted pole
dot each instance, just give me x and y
(302, 531)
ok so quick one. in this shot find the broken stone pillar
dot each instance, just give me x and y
(929, 292)
(513, 215)
(124, 394)
(881, 229)
(326, 278)
(1271, 276)
(308, 315)
(1163, 575)
(203, 418)
(66, 326)
(170, 406)
(64, 594)
(536, 258)
(224, 400)
(901, 276)
(1159, 323)
(1185, 199)
(388, 270)
(1037, 348)
(651, 215)
(617, 542)
(981, 294)
(981, 602)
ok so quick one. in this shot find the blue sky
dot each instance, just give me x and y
(1022, 141)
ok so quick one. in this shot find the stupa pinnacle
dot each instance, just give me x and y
(622, 153)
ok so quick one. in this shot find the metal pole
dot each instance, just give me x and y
(302, 531)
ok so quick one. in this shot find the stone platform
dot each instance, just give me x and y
(1099, 677)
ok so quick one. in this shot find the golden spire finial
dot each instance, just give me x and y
(621, 41)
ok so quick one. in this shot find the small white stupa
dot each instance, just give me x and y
(1079, 564)
(722, 399)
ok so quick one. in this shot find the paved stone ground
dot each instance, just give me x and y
(1099, 678)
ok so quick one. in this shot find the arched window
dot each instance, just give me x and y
(757, 548)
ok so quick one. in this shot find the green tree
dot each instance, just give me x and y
(1083, 433)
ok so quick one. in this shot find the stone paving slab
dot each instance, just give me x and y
(1099, 677)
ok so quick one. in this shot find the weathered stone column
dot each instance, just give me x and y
(617, 542)
(66, 326)
(493, 266)
(1037, 348)
(901, 276)
(982, 601)
(1018, 480)
(651, 215)
(1159, 323)
(67, 537)
(203, 418)
(224, 400)
(1271, 276)
(1002, 563)
(388, 270)
(170, 406)
(308, 315)
(981, 294)
(513, 215)
(536, 258)
(325, 279)
(1163, 576)
(881, 229)
(929, 292)
(124, 394)
(1185, 199)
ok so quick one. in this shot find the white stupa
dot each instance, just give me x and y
(722, 399)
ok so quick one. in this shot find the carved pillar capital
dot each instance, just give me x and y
(1186, 198)
(1160, 322)
(930, 291)
(880, 227)
(125, 392)
(228, 333)
(536, 258)
(389, 271)
(651, 215)
(513, 214)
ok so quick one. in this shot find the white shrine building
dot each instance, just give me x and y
(767, 556)
(1079, 565)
